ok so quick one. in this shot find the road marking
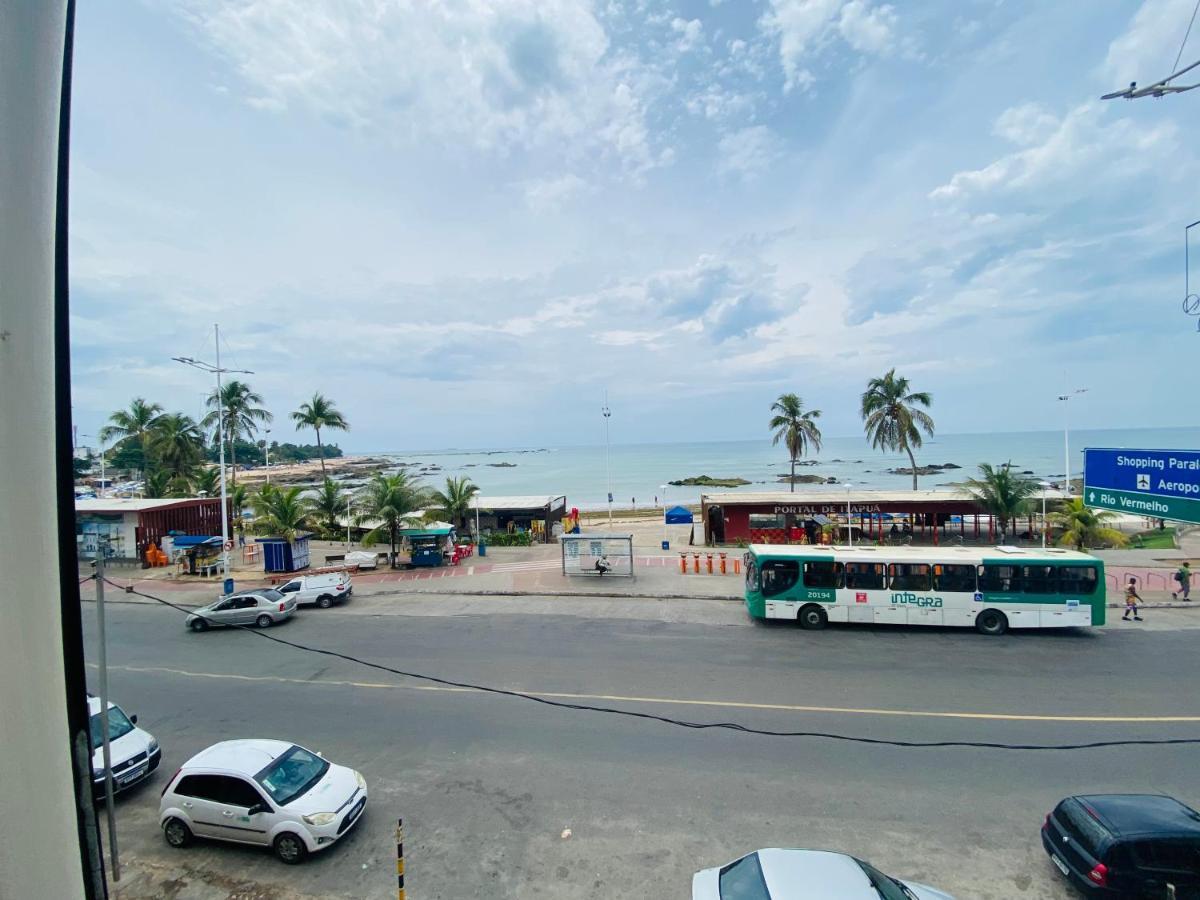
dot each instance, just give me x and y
(674, 701)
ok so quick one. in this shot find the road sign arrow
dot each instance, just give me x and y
(1091, 496)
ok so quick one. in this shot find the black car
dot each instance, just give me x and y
(1126, 845)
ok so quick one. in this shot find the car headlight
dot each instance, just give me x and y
(153, 748)
(362, 782)
(320, 818)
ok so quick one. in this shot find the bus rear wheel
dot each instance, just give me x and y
(812, 617)
(991, 622)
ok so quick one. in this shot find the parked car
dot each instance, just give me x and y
(784, 874)
(263, 608)
(1126, 845)
(319, 590)
(134, 753)
(267, 793)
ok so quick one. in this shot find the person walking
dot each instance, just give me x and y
(1184, 577)
(1132, 600)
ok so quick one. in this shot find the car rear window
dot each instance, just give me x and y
(743, 880)
(1082, 826)
(271, 594)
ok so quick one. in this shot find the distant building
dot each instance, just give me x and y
(131, 525)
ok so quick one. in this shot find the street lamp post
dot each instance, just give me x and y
(607, 413)
(218, 371)
(347, 523)
(1067, 437)
(267, 455)
(849, 528)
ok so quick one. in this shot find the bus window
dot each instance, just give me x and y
(865, 576)
(819, 574)
(753, 585)
(1077, 580)
(954, 577)
(909, 576)
(1039, 580)
(1000, 579)
(779, 575)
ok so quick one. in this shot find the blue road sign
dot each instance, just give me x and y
(1160, 483)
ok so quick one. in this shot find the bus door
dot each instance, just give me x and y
(866, 589)
(910, 585)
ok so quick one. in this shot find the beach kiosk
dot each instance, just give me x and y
(428, 545)
(676, 515)
(282, 555)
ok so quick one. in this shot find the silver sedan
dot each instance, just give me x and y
(263, 608)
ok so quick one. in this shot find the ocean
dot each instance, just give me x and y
(640, 470)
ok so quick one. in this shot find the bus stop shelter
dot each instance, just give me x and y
(597, 554)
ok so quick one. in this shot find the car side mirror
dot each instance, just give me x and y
(133, 719)
(258, 808)
(320, 754)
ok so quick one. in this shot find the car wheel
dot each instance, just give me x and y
(290, 849)
(812, 617)
(177, 833)
(263, 621)
(199, 625)
(991, 622)
(324, 601)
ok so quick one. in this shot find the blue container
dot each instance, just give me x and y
(482, 549)
(666, 545)
(228, 585)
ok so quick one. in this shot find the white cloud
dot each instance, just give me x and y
(747, 152)
(1145, 52)
(804, 28)
(1027, 124)
(495, 73)
(546, 195)
(691, 33)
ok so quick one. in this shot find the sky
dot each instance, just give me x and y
(469, 222)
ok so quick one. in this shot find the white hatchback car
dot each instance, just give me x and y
(134, 753)
(270, 793)
(779, 874)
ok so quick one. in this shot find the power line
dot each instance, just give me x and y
(667, 720)
(1179, 55)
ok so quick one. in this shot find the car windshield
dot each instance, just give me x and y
(292, 775)
(743, 880)
(118, 726)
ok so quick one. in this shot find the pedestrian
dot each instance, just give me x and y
(603, 566)
(1184, 577)
(1131, 601)
(241, 532)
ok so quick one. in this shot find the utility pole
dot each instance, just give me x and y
(218, 371)
(106, 749)
(608, 458)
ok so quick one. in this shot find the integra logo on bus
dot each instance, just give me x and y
(915, 600)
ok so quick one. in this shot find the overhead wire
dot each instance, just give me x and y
(667, 720)
(1179, 55)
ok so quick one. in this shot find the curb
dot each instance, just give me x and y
(725, 597)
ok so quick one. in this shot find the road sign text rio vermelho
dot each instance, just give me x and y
(1161, 483)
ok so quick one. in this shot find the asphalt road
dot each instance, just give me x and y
(487, 784)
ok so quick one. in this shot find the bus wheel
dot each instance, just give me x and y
(812, 617)
(991, 621)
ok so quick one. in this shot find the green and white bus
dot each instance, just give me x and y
(988, 588)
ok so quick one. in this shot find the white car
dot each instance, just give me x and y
(134, 753)
(779, 874)
(319, 590)
(269, 793)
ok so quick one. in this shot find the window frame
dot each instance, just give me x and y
(776, 565)
(835, 572)
(1094, 581)
(850, 582)
(969, 567)
(892, 576)
(1028, 581)
(1014, 587)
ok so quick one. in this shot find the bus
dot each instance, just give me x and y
(989, 588)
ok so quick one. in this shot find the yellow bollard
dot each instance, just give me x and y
(400, 859)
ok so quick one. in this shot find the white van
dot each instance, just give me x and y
(321, 590)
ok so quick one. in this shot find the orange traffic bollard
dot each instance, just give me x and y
(696, 563)
(709, 555)
(722, 563)
(682, 563)
(737, 566)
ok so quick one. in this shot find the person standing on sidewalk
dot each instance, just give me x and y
(1131, 601)
(1184, 577)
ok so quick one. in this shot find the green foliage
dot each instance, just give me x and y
(237, 409)
(81, 467)
(385, 502)
(279, 512)
(176, 445)
(326, 504)
(795, 427)
(208, 481)
(158, 484)
(506, 539)
(1083, 527)
(126, 454)
(318, 413)
(891, 418)
(1158, 539)
(289, 453)
(135, 424)
(245, 452)
(1002, 492)
(454, 503)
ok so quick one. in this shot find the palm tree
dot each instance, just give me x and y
(1002, 492)
(239, 414)
(208, 481)
(158, 484)
(135, 423)
(238, 497)
(279, 512)
(387, 500)
(795, 427)
(1084, 527)
(177, 444)
(318, 413)
(455, 502)
(891, 418)
(327, 504)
